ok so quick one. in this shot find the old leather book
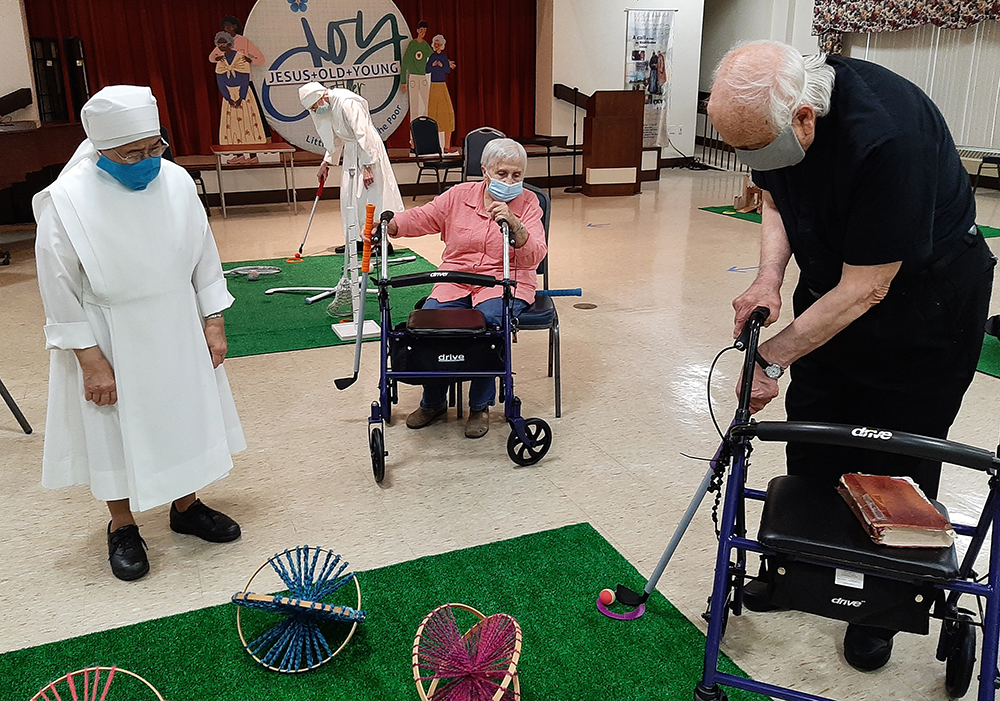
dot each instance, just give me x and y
(895, 512)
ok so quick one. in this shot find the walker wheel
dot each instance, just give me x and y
(961, 659)
(539, 433)
(376, 445)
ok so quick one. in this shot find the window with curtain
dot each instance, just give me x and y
(957, 68)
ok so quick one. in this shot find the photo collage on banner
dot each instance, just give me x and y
(649, 53)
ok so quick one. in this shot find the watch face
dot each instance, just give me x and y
(774, 371)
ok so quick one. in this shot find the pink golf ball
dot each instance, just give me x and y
(607, 597)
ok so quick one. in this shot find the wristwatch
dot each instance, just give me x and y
(772, 370)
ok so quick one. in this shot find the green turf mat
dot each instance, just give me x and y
(259, 323)
(548, 581)
(729, 211)
(989, 357)
(988, 231)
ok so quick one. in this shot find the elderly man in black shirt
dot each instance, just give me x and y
(863, 185)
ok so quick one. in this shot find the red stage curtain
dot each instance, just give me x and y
(165, 44)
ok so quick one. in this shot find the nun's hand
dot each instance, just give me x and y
(215, 336)
(368, 176)
(324, 169)
(99, 384)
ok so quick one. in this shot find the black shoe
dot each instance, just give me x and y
(867, 648)
(208, 524)
(126, 553)
(757, 597)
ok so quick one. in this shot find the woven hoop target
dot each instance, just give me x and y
(477, 665)
(254, 269)
(297, 643)
(94, 684)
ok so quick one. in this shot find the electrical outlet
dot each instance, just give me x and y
(675, 129)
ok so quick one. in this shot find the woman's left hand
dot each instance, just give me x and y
(499, 210)
(215, 335)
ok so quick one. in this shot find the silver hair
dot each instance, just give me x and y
(224, 35)
(778, 90)
(439, 37)
(503, 151)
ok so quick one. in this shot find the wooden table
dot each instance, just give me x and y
(287, 153)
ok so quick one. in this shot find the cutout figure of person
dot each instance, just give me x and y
(416, 82)
(439, 107)
(240, 121)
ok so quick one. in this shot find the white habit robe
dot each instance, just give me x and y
(348, 126)
(135, 273)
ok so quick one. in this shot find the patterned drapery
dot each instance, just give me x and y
(832, 18)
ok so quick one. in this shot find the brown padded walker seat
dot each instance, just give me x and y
(803, 519)
(446, 322)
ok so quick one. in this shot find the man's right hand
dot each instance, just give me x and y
(760, 294)
(324, 168)
(98, 377)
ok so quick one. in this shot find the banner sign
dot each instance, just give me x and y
(649, 58)
(352, 44)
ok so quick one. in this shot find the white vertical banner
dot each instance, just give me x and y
(649, 58)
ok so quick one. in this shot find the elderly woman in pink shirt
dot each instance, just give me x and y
(466, 217)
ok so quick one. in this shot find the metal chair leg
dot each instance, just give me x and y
(558, 368)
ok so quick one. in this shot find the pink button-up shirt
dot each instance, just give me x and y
(473, 243)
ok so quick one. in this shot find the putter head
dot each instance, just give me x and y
(628, 597)
(345, 382)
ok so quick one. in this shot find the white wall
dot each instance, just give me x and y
(15, 56)
(729, 22)
(587, 51)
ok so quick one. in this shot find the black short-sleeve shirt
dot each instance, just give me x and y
(882, 181)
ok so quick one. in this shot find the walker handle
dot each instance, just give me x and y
(433, 276)
(366, 255)
(757, 317)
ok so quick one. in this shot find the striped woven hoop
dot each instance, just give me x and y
(509, 687)
(296, 644)
(85, 685)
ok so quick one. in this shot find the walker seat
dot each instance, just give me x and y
(446, 322)
(806, 524)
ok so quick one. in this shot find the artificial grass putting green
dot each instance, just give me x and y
(989, 357)
(548, 581)
(988, 231)
(259, 323)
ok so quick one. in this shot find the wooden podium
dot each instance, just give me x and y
(612, 143)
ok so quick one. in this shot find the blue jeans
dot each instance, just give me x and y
(483, 390)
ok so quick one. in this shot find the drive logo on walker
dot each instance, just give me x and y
(862, 432)
(847, 602)
(356, 45)
(451, 358)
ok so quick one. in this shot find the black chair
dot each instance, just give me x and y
(195, 174)
(472, 150)
(427, 148)
(987, 161)
(541, 315)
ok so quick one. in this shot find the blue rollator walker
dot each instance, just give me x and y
(449, 345)
(819, 559)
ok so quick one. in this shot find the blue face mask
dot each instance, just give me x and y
(323, 109)
(503, 192)
(136, 176)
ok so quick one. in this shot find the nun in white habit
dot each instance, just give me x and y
(139, 405)
(343, 121)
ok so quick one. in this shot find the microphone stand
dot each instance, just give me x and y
(574, 187)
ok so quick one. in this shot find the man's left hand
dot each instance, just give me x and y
(215, 335)
(368, 176)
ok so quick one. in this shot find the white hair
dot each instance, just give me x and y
(437, 38)
(778, 89)
(499, 151)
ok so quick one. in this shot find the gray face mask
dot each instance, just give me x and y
(784, 151)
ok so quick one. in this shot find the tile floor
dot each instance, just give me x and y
(634, 399)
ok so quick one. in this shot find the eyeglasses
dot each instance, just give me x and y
(134, 157)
